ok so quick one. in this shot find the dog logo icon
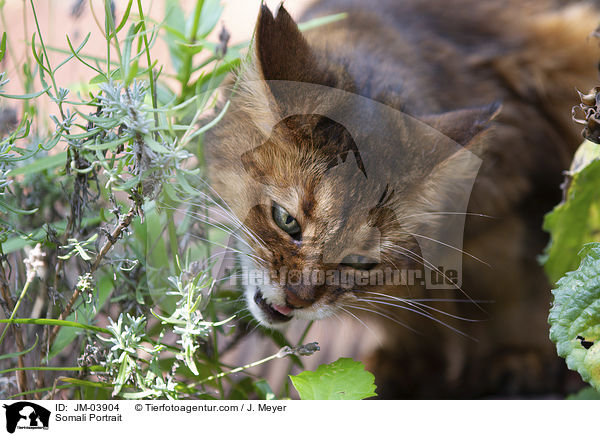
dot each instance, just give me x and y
(26, 415)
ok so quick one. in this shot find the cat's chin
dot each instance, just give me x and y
(264, 312)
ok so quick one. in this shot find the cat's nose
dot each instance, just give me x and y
(294, 299)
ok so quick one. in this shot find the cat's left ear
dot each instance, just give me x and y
(465, 126)
(282, 52)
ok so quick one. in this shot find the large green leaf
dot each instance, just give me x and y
(575, 221)
(575, 316)
(344, 379)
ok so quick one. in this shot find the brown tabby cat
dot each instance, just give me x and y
(498, 78)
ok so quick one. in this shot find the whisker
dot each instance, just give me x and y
(439, 300)
(421, 305)
(218, 225)
(431, 317)
(234, 220)
(208, 201)
(258, 258)
(446, 213)
(433, 267)
(449, 246)
(230, 212)
(365, 325)
(397, 321)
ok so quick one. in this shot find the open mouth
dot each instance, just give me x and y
(274, 314)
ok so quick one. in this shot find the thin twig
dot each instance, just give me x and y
(124, 222)
(300, 350)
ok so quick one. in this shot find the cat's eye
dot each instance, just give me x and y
(357, 261)
(286, 222)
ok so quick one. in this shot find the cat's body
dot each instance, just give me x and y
(449, 64)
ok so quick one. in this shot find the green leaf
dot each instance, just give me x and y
(575, 316)
(46, 389)
(174, 23)
(126, 64)
(75, 53)
(344, 379)
(50, 321)
(125, 16)
(26, 96)
(264, 390)
(41, 164)
(575, 221)
(138, 395)
(125, 370)
(19, 242)
(82, 253)
(211, 12)
(2, 46)
(77, 382)
(5, 207)
(55, 368)
(101, 78)
(321, 21)
(20, 353)
(585, 394)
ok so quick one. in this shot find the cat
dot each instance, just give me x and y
(348, 150)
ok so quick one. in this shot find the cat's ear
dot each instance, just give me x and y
(281, 51)
(465, 126)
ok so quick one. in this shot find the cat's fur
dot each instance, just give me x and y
(499, 78)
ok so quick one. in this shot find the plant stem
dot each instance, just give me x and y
(235, 370)
(96, 368)
(4, 290)
(149, 61)
(39, 390)
(14, 311)
(54, 86)
(285, 386)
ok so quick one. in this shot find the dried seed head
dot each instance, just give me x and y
(301, 350)
(590, 109)
(308, 349)
(224, 36)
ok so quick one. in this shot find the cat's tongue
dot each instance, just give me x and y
(284, 310)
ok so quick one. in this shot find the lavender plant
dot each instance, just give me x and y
(103, 291)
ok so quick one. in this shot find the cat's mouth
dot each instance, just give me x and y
(273, 313)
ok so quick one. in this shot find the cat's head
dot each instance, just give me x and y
(330, 190)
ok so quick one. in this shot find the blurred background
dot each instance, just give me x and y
(76, 18)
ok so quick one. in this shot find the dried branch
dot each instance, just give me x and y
(112, 238)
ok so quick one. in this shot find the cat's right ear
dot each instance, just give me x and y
(282, 52)
(466, 126)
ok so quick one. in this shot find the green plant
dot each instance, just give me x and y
(575, 314)
(105, 239)
(344, 379)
